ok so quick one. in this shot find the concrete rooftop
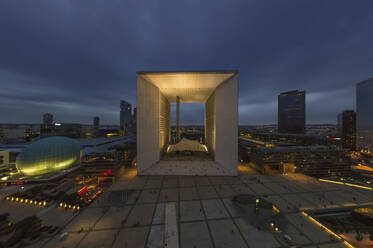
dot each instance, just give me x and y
(205, 215)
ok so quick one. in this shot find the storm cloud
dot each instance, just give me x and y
(78, 59)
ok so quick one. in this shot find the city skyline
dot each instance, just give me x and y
(163, 123)
(315, 46)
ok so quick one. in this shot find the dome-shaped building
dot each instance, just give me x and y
(48, 155)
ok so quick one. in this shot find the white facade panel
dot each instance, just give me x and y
(226, 130)
(164, 122)
(147, 124)
(210, 115)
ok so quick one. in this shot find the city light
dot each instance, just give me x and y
(205, 147)
(275, 209)
(347, 184)
(270, 151)
(326, 229)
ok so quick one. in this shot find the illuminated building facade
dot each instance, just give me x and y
(310, 160)
(218, 90)
(4, 158)
(292, 112)
(349, 130)
(364, 116)
(48, 155)
(8, 158)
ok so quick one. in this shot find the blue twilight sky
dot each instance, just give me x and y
(78, 59)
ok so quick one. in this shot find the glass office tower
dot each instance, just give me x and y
(364, 118)
(292, 112)
(349, 130)
(125, 116)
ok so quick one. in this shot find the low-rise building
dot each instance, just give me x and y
(4, 158)
(8, 159)
(310, 160)
(71, 130)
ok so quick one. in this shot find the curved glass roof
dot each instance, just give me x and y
(48, 155)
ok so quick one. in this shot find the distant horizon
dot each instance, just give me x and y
(26, 123)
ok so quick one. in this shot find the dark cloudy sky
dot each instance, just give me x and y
(77, 59)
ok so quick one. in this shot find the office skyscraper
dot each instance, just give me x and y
(364, 116)
(349, 130)
(47, 128)
(96, 122)
(134, 114)
(47, 119)
(339, 124)
(125, 116)
(292, 112)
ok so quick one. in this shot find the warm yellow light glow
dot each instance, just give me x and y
(48, 155)
(205, 147)
(12, 198)
(327, 230)
(362, 167)
(275, 209)
(244, 169)
(348, 244)
(7, 198)
(191, 86)
(321, 225)
(17, 199)
(61, 204)
(38, 167)
(44, 203)
(35, 202)
(347, 184)
(26, 201)
(21, 200)
(30, 201)
(330, 181)
(77, 207)
(358, 186)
